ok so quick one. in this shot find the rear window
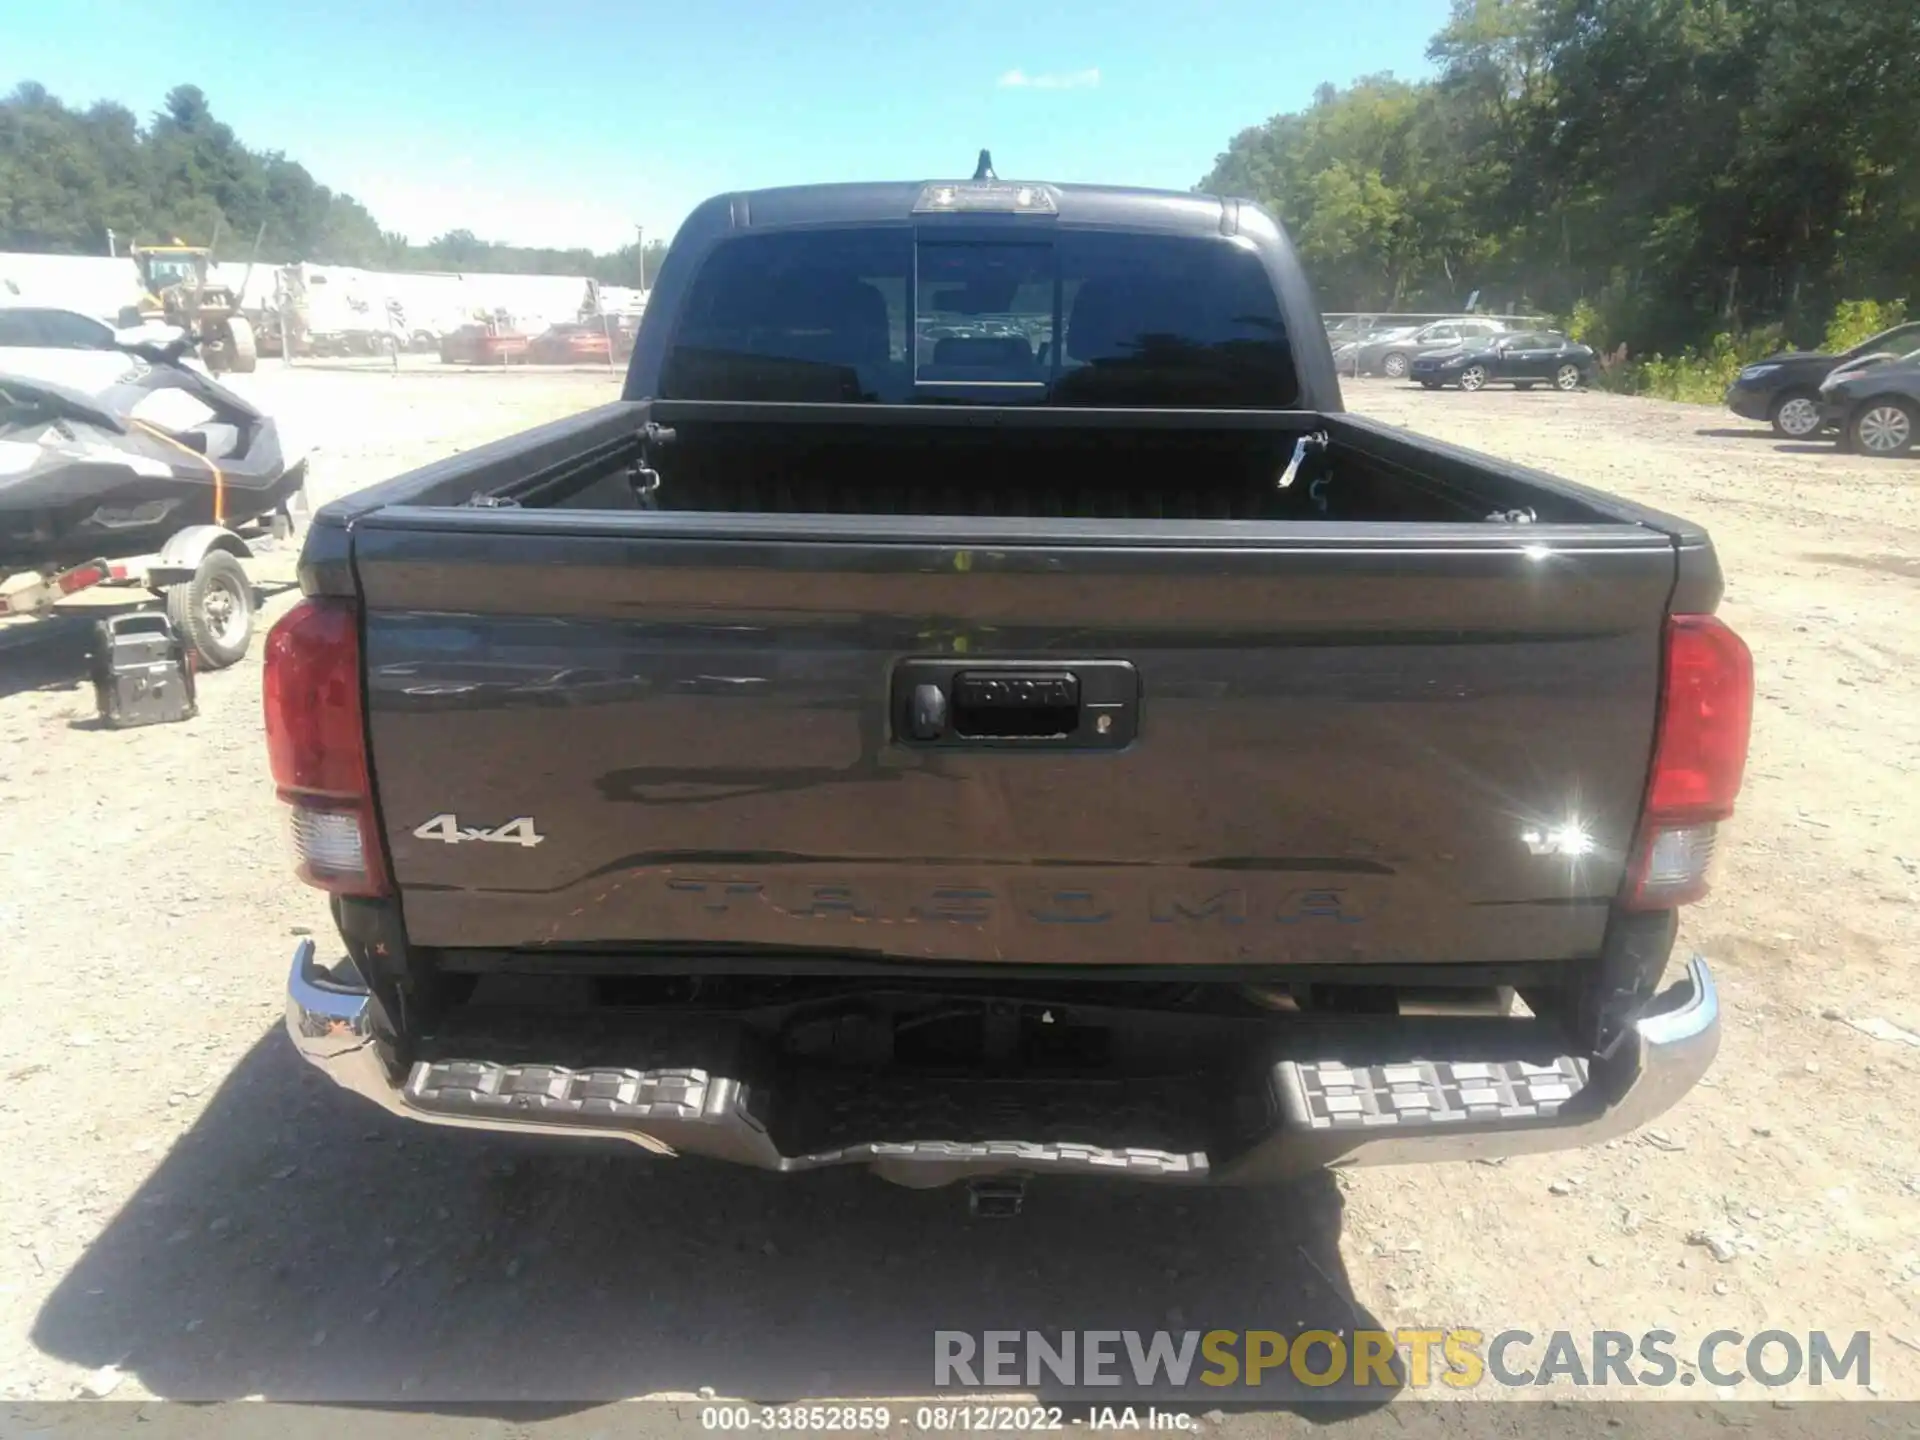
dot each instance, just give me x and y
(896, 316)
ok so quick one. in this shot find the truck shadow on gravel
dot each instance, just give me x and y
(300, 1244)
(49, 653)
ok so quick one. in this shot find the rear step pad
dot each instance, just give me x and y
(694, 1111)
(1329, 1095)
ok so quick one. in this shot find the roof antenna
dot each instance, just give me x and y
(984, 170)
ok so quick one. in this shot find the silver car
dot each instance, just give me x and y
(1392, 354)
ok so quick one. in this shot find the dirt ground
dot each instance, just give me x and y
(187, 1212)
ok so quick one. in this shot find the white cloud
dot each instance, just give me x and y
(1050, 80)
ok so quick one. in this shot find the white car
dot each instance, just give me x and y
(67, 348)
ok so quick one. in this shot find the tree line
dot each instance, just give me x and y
(1658, 171)
(69, 176)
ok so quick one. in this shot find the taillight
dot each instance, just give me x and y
(1706, 713)
(316, 742)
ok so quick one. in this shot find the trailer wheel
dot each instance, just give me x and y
(213, 612)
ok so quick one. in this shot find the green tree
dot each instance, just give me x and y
(54, 174)
(1670, 170)
(67, 177)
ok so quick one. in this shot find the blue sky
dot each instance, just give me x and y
(567, 122)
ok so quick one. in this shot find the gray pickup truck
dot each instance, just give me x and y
(977, 707)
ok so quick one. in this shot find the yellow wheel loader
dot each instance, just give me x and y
(179, 290)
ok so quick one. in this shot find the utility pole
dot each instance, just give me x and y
(111, 253)
(640, 232)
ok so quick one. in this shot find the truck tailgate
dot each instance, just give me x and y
(1374, 744)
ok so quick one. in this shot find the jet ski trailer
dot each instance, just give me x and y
(93, 494)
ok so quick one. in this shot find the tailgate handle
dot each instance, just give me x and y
(1081, 704)
(1015, 704)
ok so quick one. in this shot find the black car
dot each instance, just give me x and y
(1784, 389)
(1876, 408)
(1527, 359)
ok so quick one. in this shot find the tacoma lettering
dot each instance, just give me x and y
(978, 904)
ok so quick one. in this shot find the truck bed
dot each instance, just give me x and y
(1342, 728)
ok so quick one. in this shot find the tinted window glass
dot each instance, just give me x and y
(826, 315)
(18, 327)
(802, 315)
(74, 332)
(1166, 320)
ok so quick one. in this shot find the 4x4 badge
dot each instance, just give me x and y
(449, 831)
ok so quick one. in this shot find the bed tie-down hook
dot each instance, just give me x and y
(644, 478)
(1313, 443)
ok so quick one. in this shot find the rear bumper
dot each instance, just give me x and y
(1402, 1110)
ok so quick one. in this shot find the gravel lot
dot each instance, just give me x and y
(186, 1204)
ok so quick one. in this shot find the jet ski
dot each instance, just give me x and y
(148, 448)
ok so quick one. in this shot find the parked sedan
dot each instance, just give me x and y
(39, 327)
(1536, 357)
(1347, 347)
(1393, 355)
(1784, 389)
(64, 347)
(1876, 408)
(571, 344)
(482, 345)
(46, 327)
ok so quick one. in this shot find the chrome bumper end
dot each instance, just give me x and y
(331, 1020)
(336, 1024)
(1542, 1108)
